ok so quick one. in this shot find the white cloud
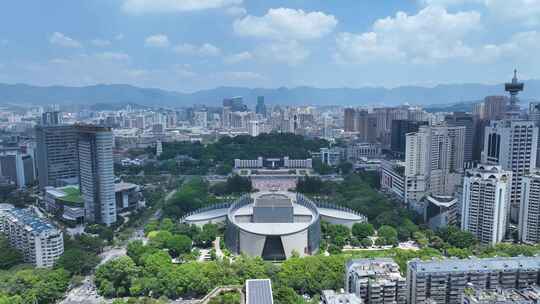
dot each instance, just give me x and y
(115, 56)
(236, 11)
(519, 46)
(290, 52)
(158, 41)
(167, 6)
(205, 50)
(286, 23)
(100, 42)
(448, 2)
(239, 57)
(243, 76)
(524, 11)
(521, 11)
(64, 41)
(429, 36)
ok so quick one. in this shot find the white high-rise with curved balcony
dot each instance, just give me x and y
(485, 203)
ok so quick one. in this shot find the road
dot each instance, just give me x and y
(86, 293)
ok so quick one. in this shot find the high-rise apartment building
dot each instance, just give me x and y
(433, 161)
(350, 120)
(444, 282)
(376, 281)
(399, 128)
(200, 119)
(96, 173)
(226, 117)
(384, 118)
(512, 144)
(485, 203)
(254, 128)
(17, 167)
(260, 108)
(534, 116)
(235, 103)
(495, 107)
(40, 243)
(53, 118)
(462, 119)
(529, 210)
(56, 154)
(361, 122)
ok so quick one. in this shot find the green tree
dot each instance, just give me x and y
(322, 168)
(114, 278)
(207, 235)
(363, 230)
(137, 251)
(456, 237)
(309, 185)
(160, 238)
(77, 261)
(345, 168)
(6, 299)
(366, 242)
(178, 244)
(35, 285)
(167, 224)
(420, 238)
(388, 234)
(10, 256)
(286, 295)
(238, 184)
(223, 169)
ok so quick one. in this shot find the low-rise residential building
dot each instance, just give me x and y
(358, 151)
(393, 178)
(444, 281)
(40, 243)
(529, 295)
(376, 281)
(332, 297)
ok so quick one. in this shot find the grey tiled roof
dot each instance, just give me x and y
(259, 291)
(476, 264)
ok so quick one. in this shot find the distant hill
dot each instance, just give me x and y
(123, 94)
(455, 107)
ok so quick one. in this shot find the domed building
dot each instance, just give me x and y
(274, 224)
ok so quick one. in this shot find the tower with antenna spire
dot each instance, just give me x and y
(514, 88)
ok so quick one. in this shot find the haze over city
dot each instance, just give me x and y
(191, 45)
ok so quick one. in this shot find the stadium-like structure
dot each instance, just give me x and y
(273, 224)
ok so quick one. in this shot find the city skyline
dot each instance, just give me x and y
(268, 43)
(270, 151)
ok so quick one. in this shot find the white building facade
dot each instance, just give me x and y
(485, 203)
(529, 211)
(40, 243)
(433, 161)
(96, 174)
(512, 144)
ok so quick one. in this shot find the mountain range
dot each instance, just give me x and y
(19, 94)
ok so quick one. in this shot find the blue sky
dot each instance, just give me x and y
(189, 45)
